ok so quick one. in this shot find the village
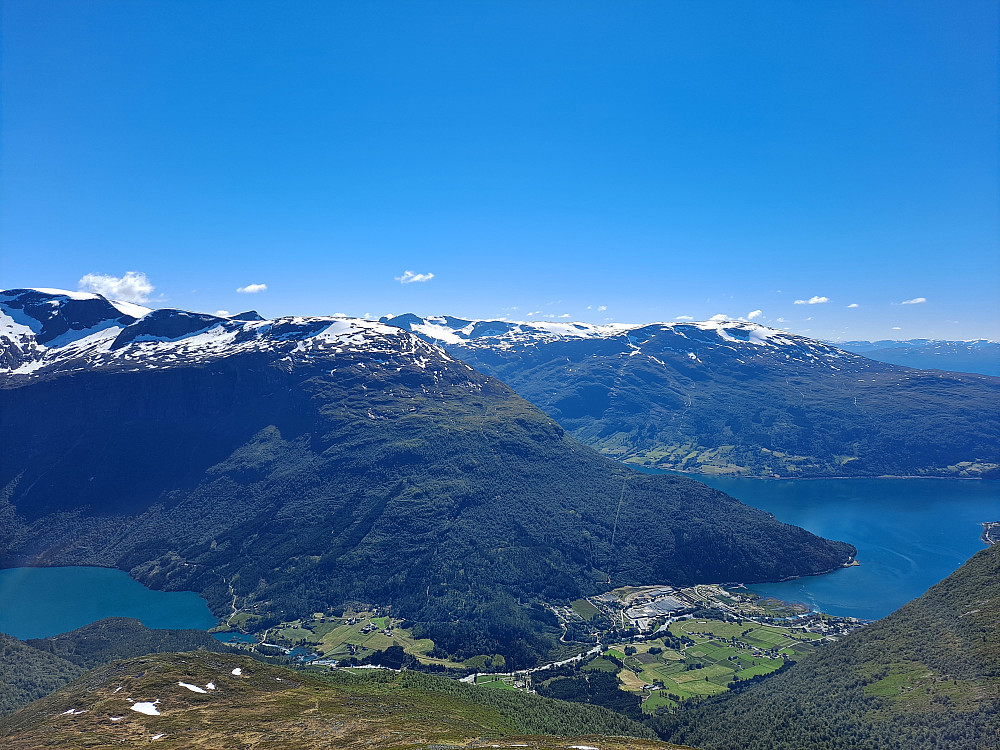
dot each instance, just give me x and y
(662, 643)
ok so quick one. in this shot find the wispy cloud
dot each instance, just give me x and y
(812, 301)
(602, 308)
(410, 277)
(853, 304)
(782, 320)
(754, 314)
(896, 328)
(132, 287)
(914, 301)
(564, 315)
(252, 289)
(683, 317)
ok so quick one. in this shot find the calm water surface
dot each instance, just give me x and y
(910, 533)
(41, 602)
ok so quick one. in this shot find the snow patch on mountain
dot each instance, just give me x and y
(52, 331)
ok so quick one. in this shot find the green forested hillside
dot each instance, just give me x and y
(120, 638)
(926, 676)
(27, 673)
(243, 704)
(279, 491)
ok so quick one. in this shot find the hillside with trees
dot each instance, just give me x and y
(926, 676)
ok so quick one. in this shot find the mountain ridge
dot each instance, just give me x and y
(295, 465)
(734, 397)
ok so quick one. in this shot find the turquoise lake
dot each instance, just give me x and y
(41, 602)
(910, 533)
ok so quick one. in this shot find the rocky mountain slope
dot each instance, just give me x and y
(926, 676)
(284, 467)
(735, 398)
(232, 702)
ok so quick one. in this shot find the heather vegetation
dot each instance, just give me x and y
(34, 668)
(244, 703)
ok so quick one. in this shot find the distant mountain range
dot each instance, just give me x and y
(980, 356)
(735, 398)
(289, 466)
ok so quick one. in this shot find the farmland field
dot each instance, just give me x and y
(712, 655)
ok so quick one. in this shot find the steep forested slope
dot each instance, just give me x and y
(27, 673)
(926, 676)
(734, 397)
(284, 467)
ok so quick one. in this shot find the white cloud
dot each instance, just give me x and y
(896, 328)
(564, 315)
(812, 301)
(223, 313)
(782, 320)
(252, 289)
(718, 318)
(132, 287)
(342, 315)
(409, 277)
(914, 301)
(754, 314)
(853, 304)
(602, 308)
(683, 317)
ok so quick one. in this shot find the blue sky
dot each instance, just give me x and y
(653, 159)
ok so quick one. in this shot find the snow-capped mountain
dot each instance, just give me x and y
(731, 338)
(298, 464)
(734, 397)
(48, 331)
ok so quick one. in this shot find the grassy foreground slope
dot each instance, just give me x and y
(247, 704)
(926, 676)
(34, 668)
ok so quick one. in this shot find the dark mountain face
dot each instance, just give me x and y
(926, 676)
(298, 464)
(735, 398)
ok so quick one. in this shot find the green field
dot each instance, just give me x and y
(585, 609)
(491, 681)
(333, 637)
(721, 653)
(600, 665)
